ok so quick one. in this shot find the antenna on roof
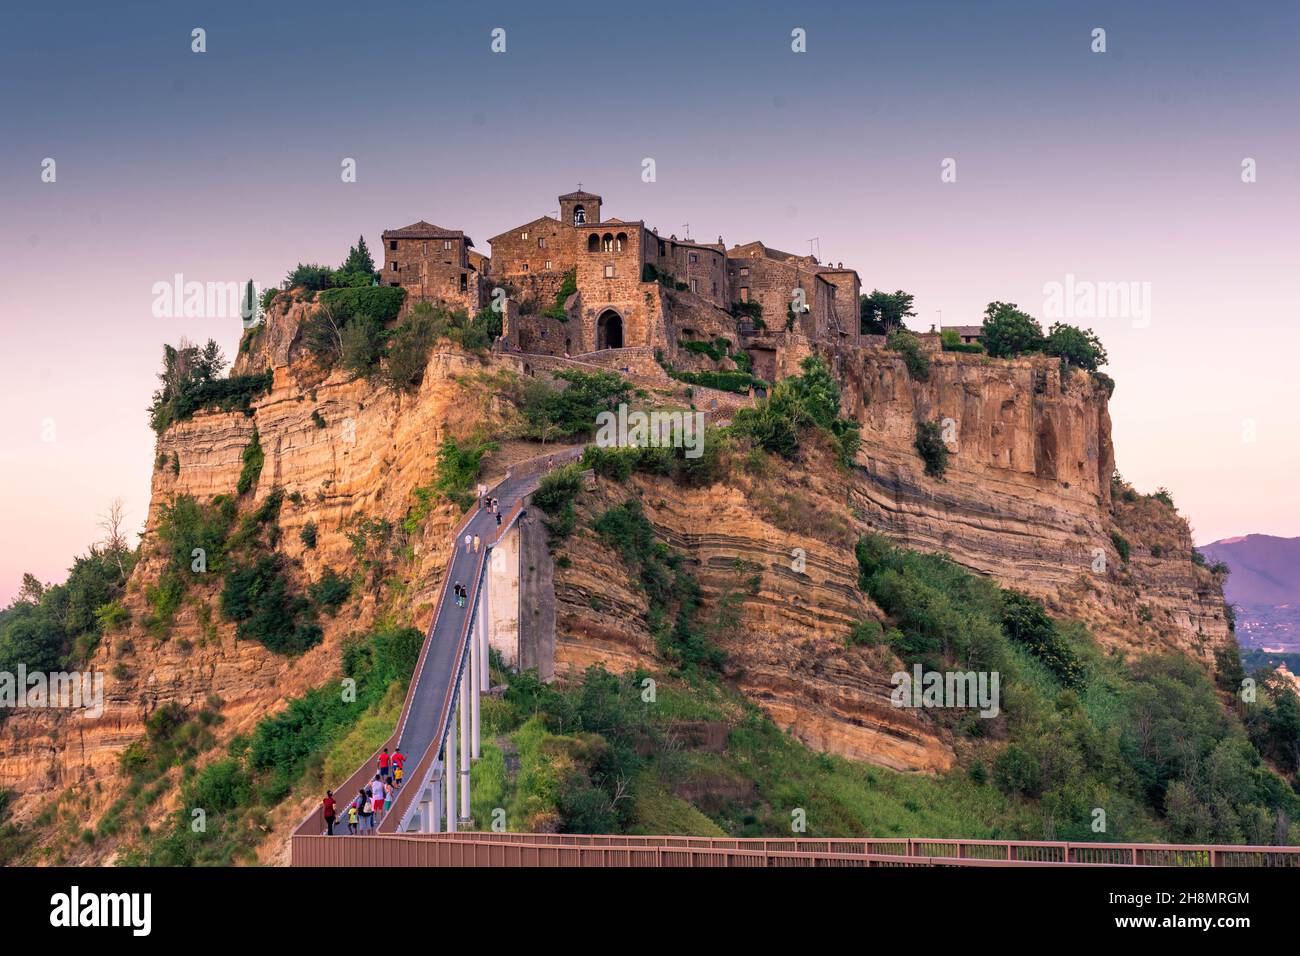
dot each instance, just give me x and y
(686, 231)
(818, 254)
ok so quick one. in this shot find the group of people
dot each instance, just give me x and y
(461, 594)
(373, 800)
(489, 504)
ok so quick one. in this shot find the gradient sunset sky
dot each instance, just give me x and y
(1114, 167)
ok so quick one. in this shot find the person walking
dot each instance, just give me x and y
(399, 761)
(476, 544)
(383, 764)
(377, 796)
(352, 818)
(327, 811)
(388, 797)
(363, 808)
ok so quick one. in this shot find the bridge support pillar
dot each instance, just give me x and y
(466, 689)
(473, 679)
(435, 806)
(485, 627)
(449, 773)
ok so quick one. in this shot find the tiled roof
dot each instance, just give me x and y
(580, 194)
(423, 230)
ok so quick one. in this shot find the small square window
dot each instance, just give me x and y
(392, 244)
(525, 267)
(694, 258)
(609, 272)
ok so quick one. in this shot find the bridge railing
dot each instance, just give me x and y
(895, 851)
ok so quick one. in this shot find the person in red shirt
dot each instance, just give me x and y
(399, 761)
(327, 809)
(384, 759)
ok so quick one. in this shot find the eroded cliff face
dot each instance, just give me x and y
(1026, 498)
(1027, 495)
(775, 549)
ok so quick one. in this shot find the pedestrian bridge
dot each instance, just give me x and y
(439, 726)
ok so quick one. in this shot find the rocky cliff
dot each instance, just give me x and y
(1027, 498)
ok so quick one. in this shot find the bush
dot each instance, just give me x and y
(1121, 545)
(909, 346)
(1027, 623)
(258, 598)
(555, 495)
(552, 412)
(381, 302)
(932, 448)
(190, 383)
(567, 287)
(1075, 347)
(458, 468)
(253, 459)
(1009, 332)
(331, 591)
(308, 535)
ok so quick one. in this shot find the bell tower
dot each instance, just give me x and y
(579, 208)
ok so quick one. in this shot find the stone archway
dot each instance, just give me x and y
(609, 330)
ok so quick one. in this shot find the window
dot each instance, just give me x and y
(446, 243)
(715, 289)
(579, 215)
(694, 258)
(392, 244)
(424, 248)
(607, 242)
(548, 265)
(744, 293)
(464, 283)
(524, 235)
(541, 242)
(609, 272)
(695, 285)
(620, 241)
(525, 267)
(394, 266)
(745, 271)
(593, 243)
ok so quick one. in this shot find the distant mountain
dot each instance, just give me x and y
(1264, 586)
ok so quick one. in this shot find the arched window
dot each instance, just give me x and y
(579, 215)
(620, 242)
(593, 243)
(607, 242)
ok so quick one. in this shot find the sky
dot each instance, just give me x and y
(1122, 166)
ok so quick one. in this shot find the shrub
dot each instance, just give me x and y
(932, 448)
(552, 412)
(381, 302)
(458, 468)
(308, 535)
(190, 384)
(1075, 347)
(1121, 545)
(909, 346)
(567, 287)
(555, 495)
(1009, 332)
(253, 459)
(331, 591)
(258, 598)
(1027, 623)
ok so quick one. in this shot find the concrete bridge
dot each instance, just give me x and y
(439, 726)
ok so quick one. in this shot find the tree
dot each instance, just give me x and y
(1074, 346)
(882, 312)
(1009, 332)
(359, 259)
(115, 545)
(323, 334)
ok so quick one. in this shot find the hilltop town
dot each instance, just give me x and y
(584, 284)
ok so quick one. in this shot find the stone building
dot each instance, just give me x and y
(582, 283)
(435, 264)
